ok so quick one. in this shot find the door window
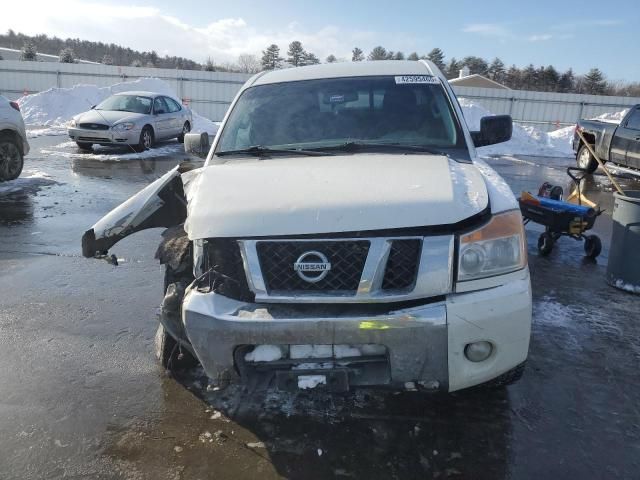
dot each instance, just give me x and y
(172, 104)
(160, 106)
(634, 120)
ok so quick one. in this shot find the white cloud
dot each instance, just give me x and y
(488, 29)
(540, 37)
(147, 28)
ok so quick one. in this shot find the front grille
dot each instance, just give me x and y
(93, 139)
(93, 126)
(347, 259)
(402, 266)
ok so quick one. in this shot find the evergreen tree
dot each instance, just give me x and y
(566, 82)
(476, 65)
(453, 69)
(331, 59)
(378, 53)
(437, 57)
(29, 52)
(594, 82)
(550, 79)
(209, 65)
(398, 56)
(295, 54)
(66, 56)
(513, 77)
(271, 58)
(107, 60)
(529, 78)
(413, 56)
(497, 71)
(309, 59)
(357, 55)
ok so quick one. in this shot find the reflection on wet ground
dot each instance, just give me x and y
(81, 390)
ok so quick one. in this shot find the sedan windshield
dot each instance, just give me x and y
(386, 110)
(126, 103)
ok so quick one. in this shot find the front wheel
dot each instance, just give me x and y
(186, 128)
(146, 139)
(592, 246)
(11, 159)
(586, 160)
(84, 146)
(545, 243)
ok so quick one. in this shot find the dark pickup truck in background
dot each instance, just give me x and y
(615, 143)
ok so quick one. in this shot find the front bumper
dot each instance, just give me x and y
(128, 137)
(425, 343)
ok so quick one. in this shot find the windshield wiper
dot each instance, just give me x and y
(259, 151)
(357, 146)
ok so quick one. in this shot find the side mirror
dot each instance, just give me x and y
(494, 129)
(197, 144)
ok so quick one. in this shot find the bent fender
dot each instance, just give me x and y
(160, 204)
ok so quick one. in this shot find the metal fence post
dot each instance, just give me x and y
(580, 111)
(58, 79)
(513, 100)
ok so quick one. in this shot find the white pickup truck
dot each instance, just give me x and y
(342, 232)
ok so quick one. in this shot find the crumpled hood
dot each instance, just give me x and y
(314, 195)
(108, 116)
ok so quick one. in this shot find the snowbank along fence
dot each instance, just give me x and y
(210, 93)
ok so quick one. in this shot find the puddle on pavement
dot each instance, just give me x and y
(16, 196)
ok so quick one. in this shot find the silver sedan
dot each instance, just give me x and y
(136, 119)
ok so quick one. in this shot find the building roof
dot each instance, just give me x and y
(476, 80)
(347, 69)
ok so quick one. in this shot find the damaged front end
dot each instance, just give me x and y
(160, 204)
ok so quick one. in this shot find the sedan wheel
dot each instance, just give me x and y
(146, 139)
(11, 160)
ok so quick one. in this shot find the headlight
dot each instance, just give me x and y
(72, 123)
(120, 127)
(497, 248)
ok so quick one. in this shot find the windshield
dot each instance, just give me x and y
(126, 103)
(408, 110)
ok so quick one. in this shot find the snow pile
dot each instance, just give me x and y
(612, 117)
(526, 140)
(54, 108)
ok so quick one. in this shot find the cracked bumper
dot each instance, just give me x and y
(425, 343)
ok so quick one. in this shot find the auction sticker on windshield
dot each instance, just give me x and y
(417, 79)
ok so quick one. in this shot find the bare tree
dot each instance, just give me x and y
(248, 63)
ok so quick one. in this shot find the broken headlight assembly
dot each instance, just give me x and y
(497, 248)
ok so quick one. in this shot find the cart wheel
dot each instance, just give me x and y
(545, 243)
(592, 246)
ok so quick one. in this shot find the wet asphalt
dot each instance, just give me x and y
(82, 397)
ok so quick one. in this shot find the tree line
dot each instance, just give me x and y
(541, 78)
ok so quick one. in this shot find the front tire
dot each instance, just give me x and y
(85, 146)
(507, 378)
(146, 139)
(545, 243)
(592, 246)
(586, 160)
(186, 128)
(11, 158)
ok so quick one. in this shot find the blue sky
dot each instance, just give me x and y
(565, 34)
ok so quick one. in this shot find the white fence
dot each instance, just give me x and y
(545, 110)
(210, 93)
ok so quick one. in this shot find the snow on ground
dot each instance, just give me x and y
(116, 153)
(48, 112)
(528, 140)
(30, 180)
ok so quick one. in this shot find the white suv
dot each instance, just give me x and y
(13, 140)
(341, 233)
